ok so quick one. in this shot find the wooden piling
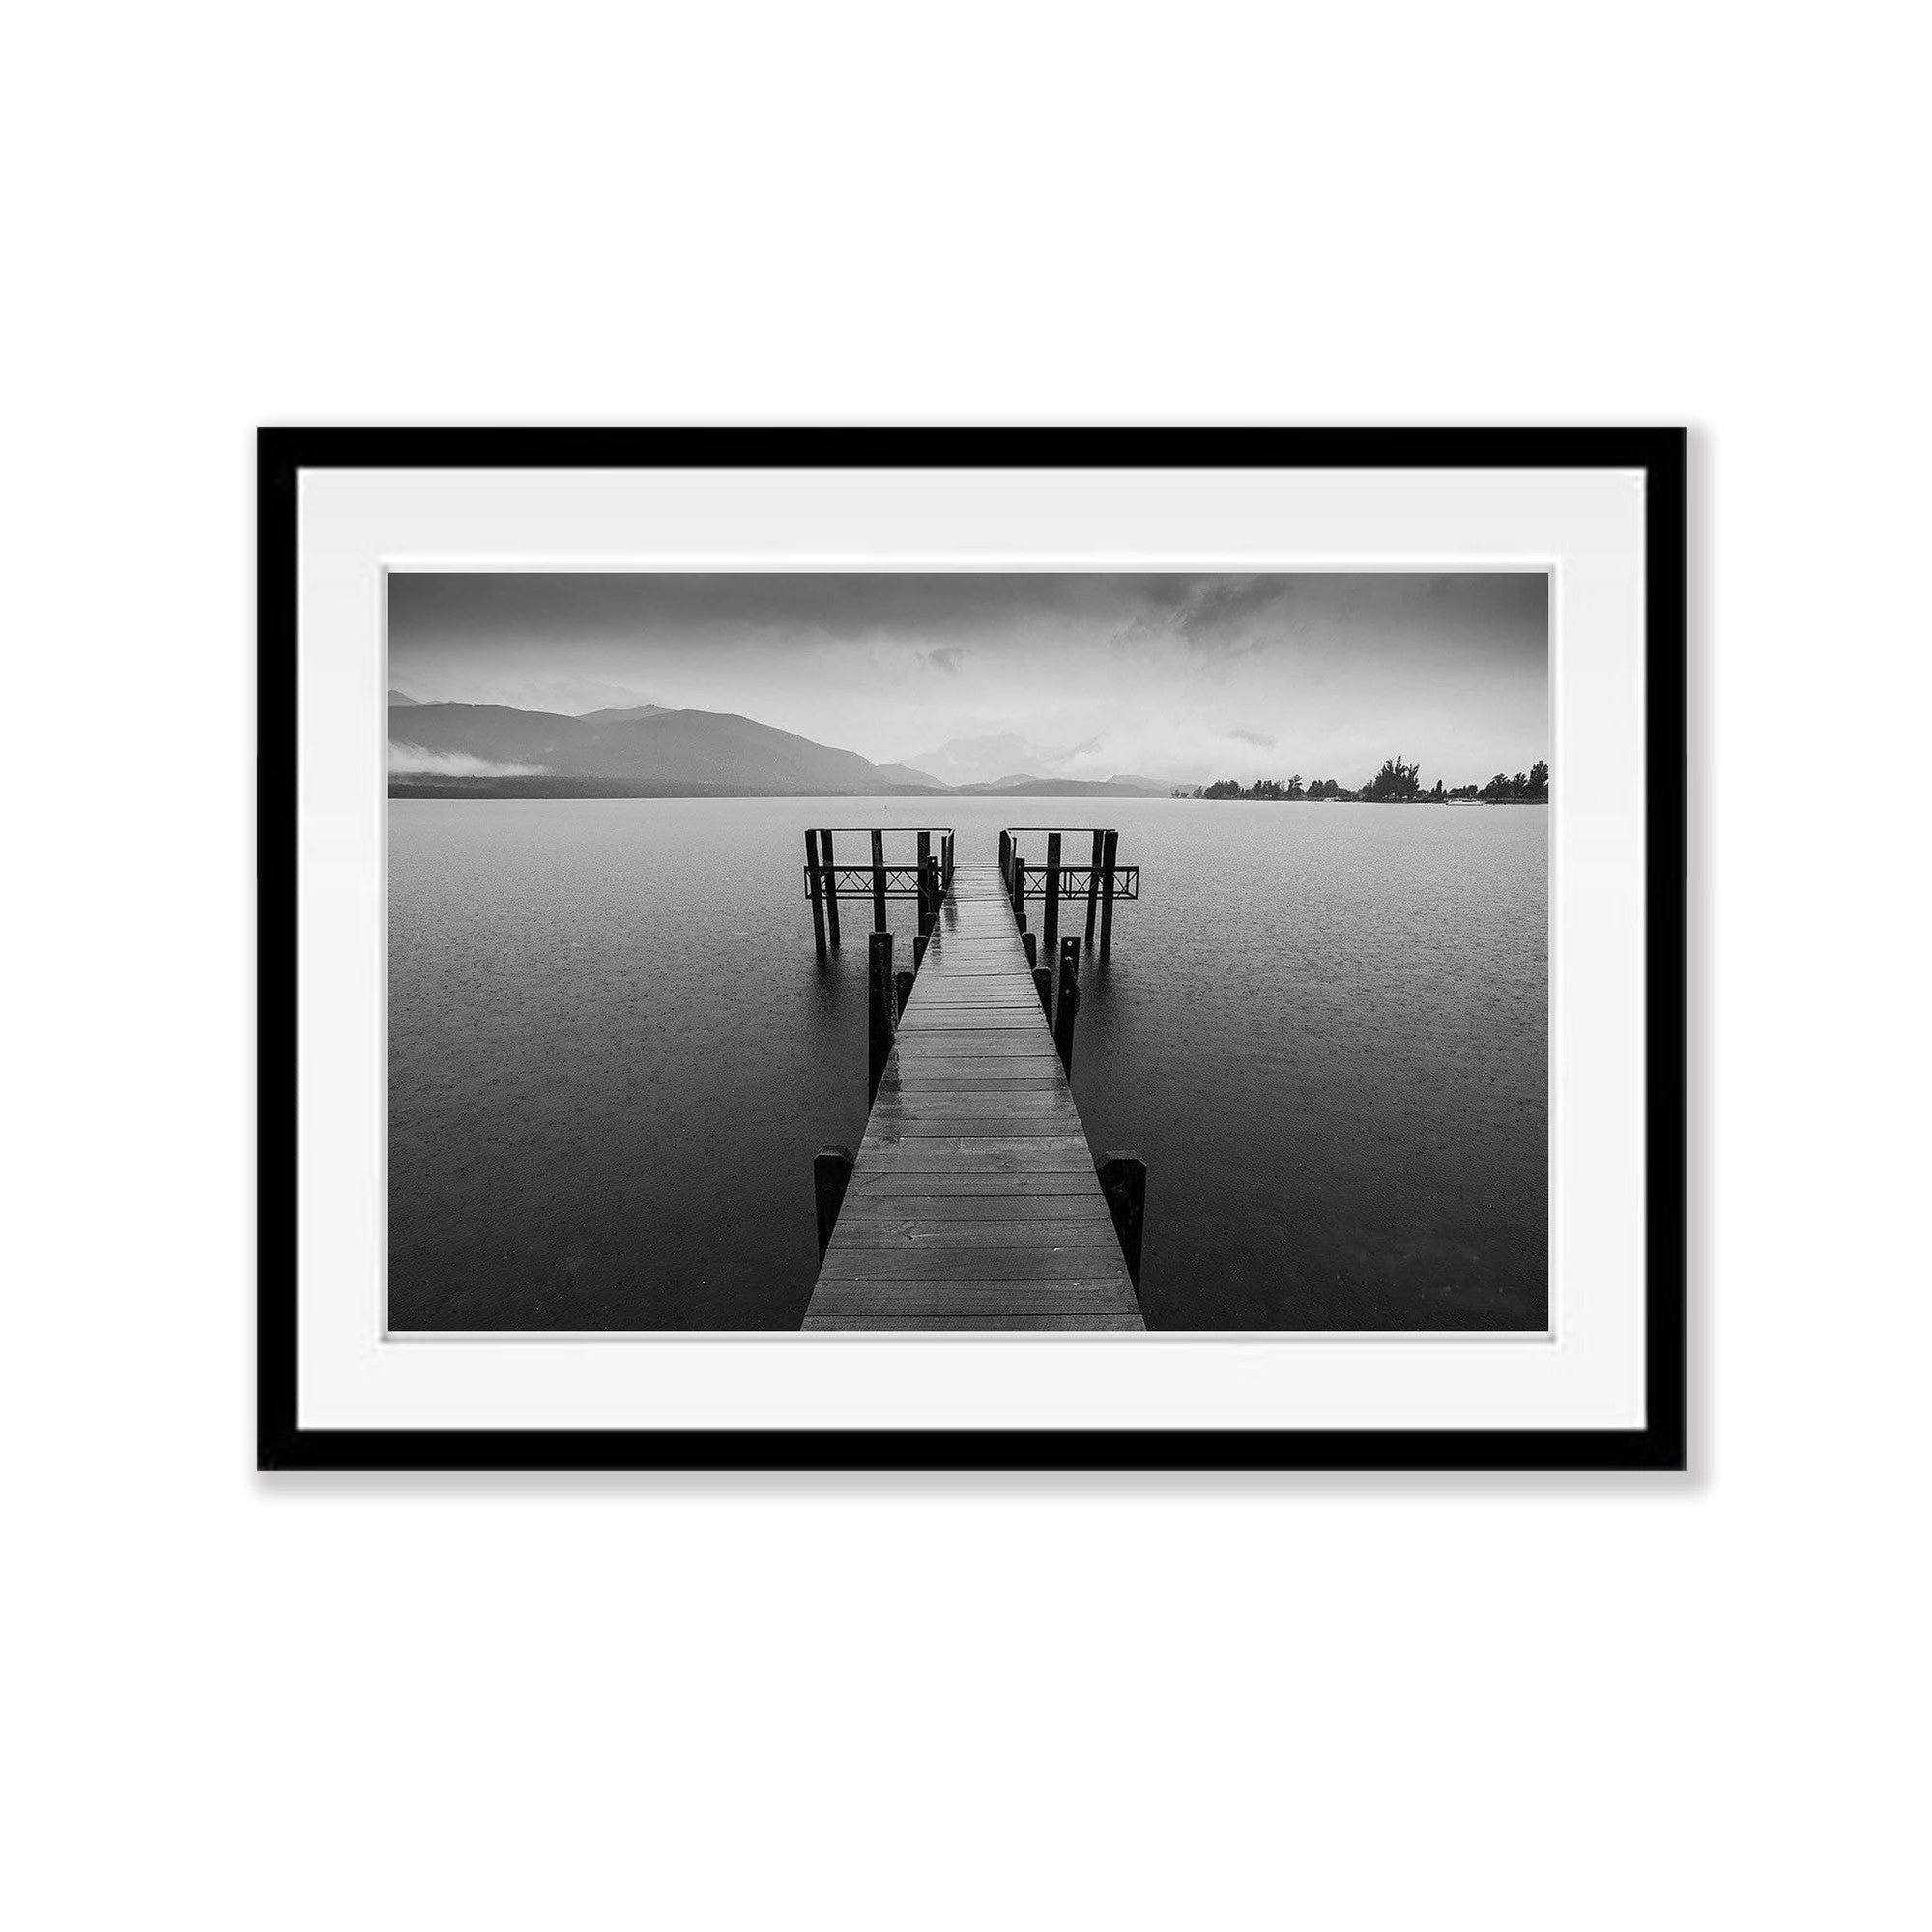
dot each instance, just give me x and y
(1019, 891)
(902, 985)
(948, 888)
(818, 895)
(877, 880)
(831, 886)
(1109, 850)
(879, 1012)
(1006, 857)
(935, 893)
(1123, 1180)
(1066, 1005)
(1093, 889)
(928, 911)
(1043, 985)
(831, 1170)
(1051, 925)
(1032, 945)
(919, 944)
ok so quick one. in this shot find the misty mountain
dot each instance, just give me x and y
(1003, 758)
(1022, 787)
(398, 697)
(1007, 765)
(647, 751)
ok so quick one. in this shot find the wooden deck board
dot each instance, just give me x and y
(901, 1234)
(1089, 1261)
(1028, 1112)
(930, 1210)
(919, 1296)
(914, 1323)
(932, 1166)
(1009, 1153)
(974, 1202)
(939, 1047)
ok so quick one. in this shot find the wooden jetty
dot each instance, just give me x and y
(974, 1202)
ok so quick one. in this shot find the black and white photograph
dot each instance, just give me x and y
(967, 950)
(966, 969)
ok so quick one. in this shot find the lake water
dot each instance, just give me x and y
(613, 1056)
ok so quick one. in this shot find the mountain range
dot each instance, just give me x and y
(1008, 763)
(650, 751)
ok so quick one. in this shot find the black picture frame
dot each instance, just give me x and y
(1659, 1444)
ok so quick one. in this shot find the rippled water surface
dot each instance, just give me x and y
(613, 1056)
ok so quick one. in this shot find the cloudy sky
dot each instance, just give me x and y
(1182, 678)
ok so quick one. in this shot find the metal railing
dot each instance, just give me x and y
(1102, 881)
(929, 878)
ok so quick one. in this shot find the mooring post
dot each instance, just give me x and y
(948, 891)
(1066, 1005)
(919, 942)
(1092, 890)
(1032, 945)
(831, 1170)
(1123, 1180)
(1110, 851)
(902, 985)
(879, 1014)
(928, 911)
(817, 888)
(1052, 924)
(831, 884)
(935, 893)
(1005, 859)
(1043, 985)
(877, 880)
(1019, 891)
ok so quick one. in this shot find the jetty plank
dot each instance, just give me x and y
(974, 1202)
(928, 1210)
(979, 1260)
(919, 1295)
(899, 1236)
(925, 1168)
(974, 1321)
(973, 1153)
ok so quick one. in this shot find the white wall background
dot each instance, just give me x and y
(1497, 1703)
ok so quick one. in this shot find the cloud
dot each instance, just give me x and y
(405, 759)
(1260, 738)
(946, 658)
(1218, 621)
(1217, 606)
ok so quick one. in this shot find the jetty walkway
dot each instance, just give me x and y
(974, 1200)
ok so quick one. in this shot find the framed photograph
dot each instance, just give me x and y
(816, 949)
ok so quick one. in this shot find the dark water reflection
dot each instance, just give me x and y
(613, 1055)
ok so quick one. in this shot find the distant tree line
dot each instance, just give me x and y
(1532, 790)
(1396, 784)
(1269, 787)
